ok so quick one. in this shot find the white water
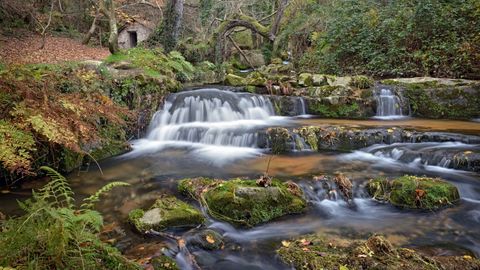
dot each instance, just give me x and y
(219, 126)
(388, 105)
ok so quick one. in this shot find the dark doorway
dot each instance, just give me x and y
(133, 38)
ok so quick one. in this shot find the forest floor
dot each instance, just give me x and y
(25, 49)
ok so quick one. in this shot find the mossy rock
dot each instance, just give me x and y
(319, 80)
(164, 263)
(242, 202)
(166, 212)
(322, 252)
(414, 192)
(305, 79)
(362, 82)
(256, 78)
(279, 140)
(234, 80)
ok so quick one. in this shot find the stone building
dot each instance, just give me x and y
(131, 34)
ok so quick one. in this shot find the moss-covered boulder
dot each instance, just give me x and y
(319, 80)
(322, 252)
(166, 212)
(305, 79)
(361, 82)
(243, 202)
(256, 78)
(414, 192)
(234, 80)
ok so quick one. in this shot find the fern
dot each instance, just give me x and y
(90, 201)
(57, 189)
(53, 234)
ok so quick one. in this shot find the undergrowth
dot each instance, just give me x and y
(54, 234)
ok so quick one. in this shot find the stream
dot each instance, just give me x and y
(215, 133)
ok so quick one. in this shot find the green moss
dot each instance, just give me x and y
(166, 212)
(234, 80)
(322, 252)
(164, 263)
(415, 192)
(361, 82)
(310, 135)
(335, 110)
(251, 89)
(242, 202)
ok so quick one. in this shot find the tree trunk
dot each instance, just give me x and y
(220, 35)
(92, 29)
(282, 5)
(107, 7)
(171, 24)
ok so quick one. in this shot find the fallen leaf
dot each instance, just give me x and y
(467, 257)
(305, 242)
(285, 244)
(210, 239)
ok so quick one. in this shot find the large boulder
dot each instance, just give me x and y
(414, 192)
(166, 212)
(243, 202)
(328, 252)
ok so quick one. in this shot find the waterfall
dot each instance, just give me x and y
(215, 125)
(388, 105)
(212, 117)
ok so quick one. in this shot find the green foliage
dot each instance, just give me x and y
(53, 234)
(90, 201)
(394, 38)
(155, 63)
(16, 148)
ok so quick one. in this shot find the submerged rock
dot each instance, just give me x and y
(322, 252)
(166, 212)
(414, 192)
(208, 240)
(242, 202)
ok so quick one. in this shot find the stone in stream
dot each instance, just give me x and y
(329, 252)
(207, 239)
(242, 202)
(414, 192)
(279, 139)
(166, 212)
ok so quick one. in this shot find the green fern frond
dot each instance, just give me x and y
(90, 201)
(57, 189)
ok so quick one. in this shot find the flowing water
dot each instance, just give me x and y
(389, 105)
(217, 134)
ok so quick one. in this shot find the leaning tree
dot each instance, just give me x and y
(239, 20)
